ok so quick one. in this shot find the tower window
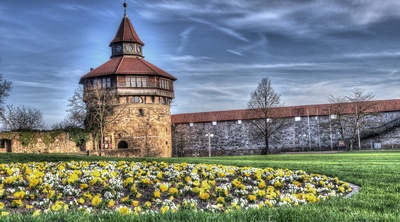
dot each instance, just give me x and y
(131, 81)
(137, 99)
(141, 113)
(164, 83)
(108, 82)
(103, 83)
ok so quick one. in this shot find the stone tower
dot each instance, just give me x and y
(143, 96)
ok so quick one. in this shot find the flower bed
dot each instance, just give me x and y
(155, 187)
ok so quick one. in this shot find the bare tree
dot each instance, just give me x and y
(351, 114)
(5, 88)
(263, 105)
(22, 118)
(102, 108)
(76, 112)
(339, 108)
(77, 109)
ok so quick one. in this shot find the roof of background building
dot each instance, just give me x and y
(288, 111)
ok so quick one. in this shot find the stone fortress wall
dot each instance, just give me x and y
(39, 142)
(232, 134)
(235, 136)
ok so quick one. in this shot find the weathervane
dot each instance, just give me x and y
(125, 5)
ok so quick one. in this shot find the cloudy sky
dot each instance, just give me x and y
(218, 49)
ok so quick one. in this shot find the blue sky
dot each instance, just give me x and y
(218, 49)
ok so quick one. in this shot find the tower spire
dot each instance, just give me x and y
(125, 5)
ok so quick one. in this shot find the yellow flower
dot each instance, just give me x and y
(163, 187)
(261, 193)
(29, 206)
(1, 205)
(204, 196)
(110, 203)
(96, 201)
(286, 199)
(4, 214)
(341, 189)
(160, 175)
(147, 204)
(297, 183)
(173, 191)
(72, 178)
(220, 200)
(19, 195)
(138, 195)
(137, 210)
(221, 174)
(128, 181)
(268, 203)
(9, 180)
(236, 183)
(124, 210)
(311, 198)
(196, 190)
(36, 213)
(145, 181)
(81, 201)
(125, 199)
(187, 179)
(271, 196)
(252, 197)
(261, 184)
(16, 203)
(87, 196)
(196, 183)
(157, 194)
(56, 207)
(164, 209)
(83, 186)
(135, 203)
(33, 182)
(95, 173)
(51, 194)
(205, 185)
(277, 184)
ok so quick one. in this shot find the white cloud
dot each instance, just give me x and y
(372, 54)
(243, 49)
(185, 35)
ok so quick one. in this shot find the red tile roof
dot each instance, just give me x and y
(126, 33)
(289, 111)
(127, 65)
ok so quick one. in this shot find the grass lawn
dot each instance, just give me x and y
(376, 172)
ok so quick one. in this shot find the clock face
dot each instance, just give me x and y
(119, 47)
(129, 48)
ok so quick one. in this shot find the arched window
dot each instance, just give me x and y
(137, 99)
(122, 145)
